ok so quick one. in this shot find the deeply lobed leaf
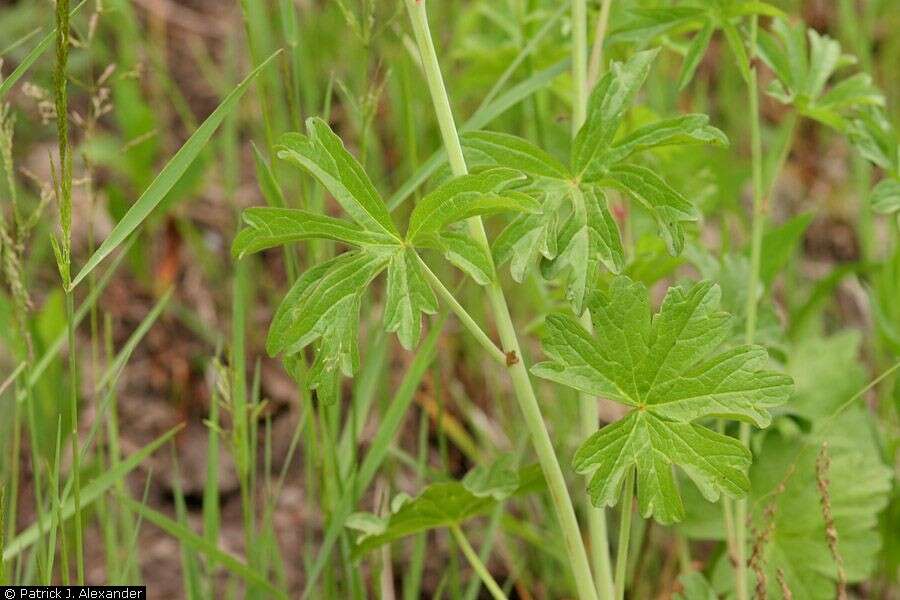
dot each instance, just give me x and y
(668, 369)
(321, 152)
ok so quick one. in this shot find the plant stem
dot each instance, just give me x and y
(64, 188)
(587, 404)
(76, 461)
(596, 65)
(462, 314)
(626, 506)
(757, 227)
(524, 392)
(579, 64)
(489, 582)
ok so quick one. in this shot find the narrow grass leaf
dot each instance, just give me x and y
(169, 176)
(89, 494)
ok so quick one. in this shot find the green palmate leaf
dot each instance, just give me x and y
(528, 236)
(269, 227)
(468, 255)
(498, 480)
(468, 196)
(668, 207)
(874, 137)
(439, 505)
(666, 368)
(613, 96)
(589, 238)
(804, 61)
(408, 296)
(324, 303)
(446, 504)
(682, 130)
(885, 198)
(858, 487)
(492, 149)
(695, 52)
(322, 153)
(826, 372)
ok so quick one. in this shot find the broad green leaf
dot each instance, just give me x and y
(323, 155)
(468, 255)
(471, 195)
(269, 227)
(498, 480)
(315, 304)
(826, 371)
(885, 197)
(695, 52)
(447, 503)
(169, 176)
(681, 130)
(408, 295)
(858, 487)
(613, 96)
(694, 586)
(528, 236)
(716, 463)
(439, 505)
(669, 369)
(668, 207)
(588, 239)
(489, 148)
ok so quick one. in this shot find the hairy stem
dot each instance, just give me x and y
(489, 582)
(524, 391)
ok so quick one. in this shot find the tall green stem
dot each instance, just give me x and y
(757, 228)
(524, 392)
(579, 64)
(627, 507)
(587, 404)
(489, 582)
(64, 255)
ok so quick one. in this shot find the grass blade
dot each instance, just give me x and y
(169, 176)
(203, 546)
(36, 52)
(89, 494)
(387, 432)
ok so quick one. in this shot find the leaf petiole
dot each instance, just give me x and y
(464, 317)
(489, 582)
